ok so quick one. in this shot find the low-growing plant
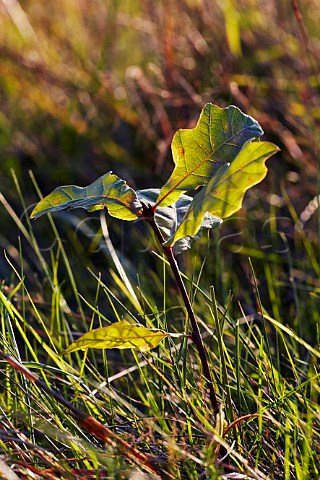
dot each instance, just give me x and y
(239, 399)
(218, 160)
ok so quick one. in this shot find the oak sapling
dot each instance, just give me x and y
(224, 156)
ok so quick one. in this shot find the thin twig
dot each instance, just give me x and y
(148, 216)
(145, 461)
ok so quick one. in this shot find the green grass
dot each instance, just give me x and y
(266, 371)
(91, 86)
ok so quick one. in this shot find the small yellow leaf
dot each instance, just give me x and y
(119, 335)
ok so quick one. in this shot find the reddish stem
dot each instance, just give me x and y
(148, 216)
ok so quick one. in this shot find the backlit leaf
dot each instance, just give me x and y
(224, 193)
(107, 191)
(169, 218)
(119, 335)
(199, 152)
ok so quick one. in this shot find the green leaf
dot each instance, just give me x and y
(119, 335)
(199, 152)
(107, 191)
(224, 193)
(169, 218)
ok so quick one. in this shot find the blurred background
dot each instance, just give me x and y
(92, 86)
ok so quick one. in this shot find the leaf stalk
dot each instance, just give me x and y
(148, 216)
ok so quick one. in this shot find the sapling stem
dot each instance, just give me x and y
(148, 216)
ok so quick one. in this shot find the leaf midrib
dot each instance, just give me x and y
(231, 174)
(203, 161)
(117, 200)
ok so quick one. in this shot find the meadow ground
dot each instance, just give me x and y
(88, 87)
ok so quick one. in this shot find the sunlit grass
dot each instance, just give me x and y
(265, 371)
(91, 86)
